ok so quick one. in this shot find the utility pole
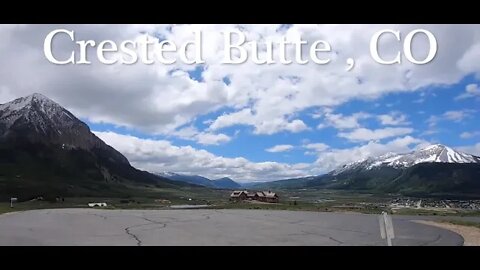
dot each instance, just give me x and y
(386, 227)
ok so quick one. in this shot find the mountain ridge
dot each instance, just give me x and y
(46, 150)
(436, 153)
(221, 183)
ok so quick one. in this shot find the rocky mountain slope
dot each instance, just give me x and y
(46, 151)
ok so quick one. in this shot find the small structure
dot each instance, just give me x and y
(238, 195)
(97, 204)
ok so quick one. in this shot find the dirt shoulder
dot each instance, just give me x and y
(471, 235)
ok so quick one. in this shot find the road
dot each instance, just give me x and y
(209, 227)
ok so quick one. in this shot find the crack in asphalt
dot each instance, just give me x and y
(127, 230)
(318, 234)
(323, 235)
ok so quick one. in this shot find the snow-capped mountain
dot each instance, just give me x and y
(434, 170)
(436, 153)
(47, 150)
(40, 119)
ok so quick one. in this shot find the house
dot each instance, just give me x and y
(238, 195)
(261, 196)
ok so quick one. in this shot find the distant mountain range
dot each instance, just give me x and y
(222, 183)
(436, 169)
(46, 151)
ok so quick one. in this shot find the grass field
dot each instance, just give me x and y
(304, 200)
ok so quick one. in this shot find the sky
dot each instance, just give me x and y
(258, 122)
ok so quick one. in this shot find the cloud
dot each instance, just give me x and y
(280, 148)
(277, 125)
(364, 134)
(393, 119)
(455, 116)
(340, 121)
(161, 155)
(468, 135)
(318, 147)
(209, 138)
(471, 90)
(472, 149)
(333, 158)
(262, 126)
(160, 99)
(343, 122)
(205, 138)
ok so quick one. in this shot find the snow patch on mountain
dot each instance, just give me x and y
(37, 109)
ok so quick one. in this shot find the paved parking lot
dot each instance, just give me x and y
(209, 227)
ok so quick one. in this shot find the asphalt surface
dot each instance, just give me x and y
(209, 227)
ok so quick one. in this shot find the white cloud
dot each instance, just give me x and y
(471, 90)
(455, 116)
(432, 121)
(472, 149)
(279, 148)
(262, 126)
(333, 158)
(468, 135)
(340, 121)
(364, 134)
(318, 147)
(161, 155)
(209, 138)
(243, 117)
(393, 119)
(205, 138)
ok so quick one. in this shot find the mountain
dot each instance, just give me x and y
(192, 179)
(226, 183)
(46, 151)
(435, 169)
(222, 183)
(436, 153)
